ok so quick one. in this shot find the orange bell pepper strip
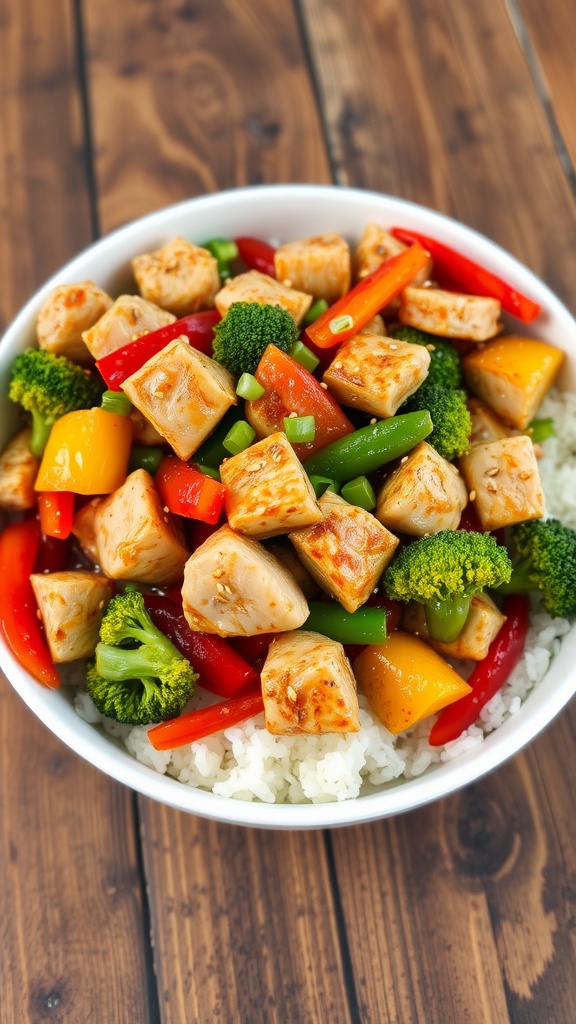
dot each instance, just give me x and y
(290, 388)
(56, 510)
(18, 609)
(350, 313)
(204, 722)
(87, 453)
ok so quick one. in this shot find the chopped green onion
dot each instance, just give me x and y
(249, 388)
(143, 456)
(360, 492)
(319, 307)
(239, 437)
(224, 251)
(341, 323)
(541, 430)
(303, 355)
(208, 471)
(300, 429)
(212, 451)
(321, 484)
(118, 402)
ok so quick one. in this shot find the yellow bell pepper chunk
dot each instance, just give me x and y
(87, 453)
(405, 680)
(512, 374)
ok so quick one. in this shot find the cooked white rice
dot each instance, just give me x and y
(248, 763)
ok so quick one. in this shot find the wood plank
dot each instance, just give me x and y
(243, 922)
(71, 918)
(460, 911)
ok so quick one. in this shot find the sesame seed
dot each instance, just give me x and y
(493, 471)
(363, 273)
(431, 348)
(338, 365)
(472, 495)
(165, 509)
(293, 416)
(405, 459)
(524, 475)
(287, 282)
(100, 605)
(393, 347)
(220, 588)
(218, 573)
(291, 694)
(323, 385)
(373, 421)
(491, 487)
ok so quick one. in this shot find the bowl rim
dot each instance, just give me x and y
(405, 795)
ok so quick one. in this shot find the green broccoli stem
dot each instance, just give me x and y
(520, 581)
(446, 617)
(40, 433)
(118, 664)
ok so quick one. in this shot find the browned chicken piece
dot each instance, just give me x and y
(423, 495)
(268, 491)
(18, 472)
(144, 432)
(84, 528)
(308, 686)
(512, 375)
(376, 374)
(68, 311)
(319, 266)
(180, 277)
(504, 483)
(486, 425)
(71, 606)
(289, 559)
(377, 245)
(127, 319)
(256, 287)
(374, 326)
(481, 627)
(347, 552)
(234, 587)
(136, 538)
(183, 394)
(450, 314)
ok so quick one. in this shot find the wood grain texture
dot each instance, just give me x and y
(191, 97)
(433, 101)
(70, 900)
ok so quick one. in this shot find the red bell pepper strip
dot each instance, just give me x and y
(489, 675)
(256, 254)
(253, 648)
(187, 492)
(204, 722)
(471, 277)
(123, 362)
(222, 671)
(18, 608)
(367, 298)
(52, 554)
(290, 388)
(56, 510)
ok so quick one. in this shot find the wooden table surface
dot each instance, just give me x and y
(116, 909)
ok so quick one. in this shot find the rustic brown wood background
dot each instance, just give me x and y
(115, 909)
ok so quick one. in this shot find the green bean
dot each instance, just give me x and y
(364, 626)
(145, 457)
(370, 447)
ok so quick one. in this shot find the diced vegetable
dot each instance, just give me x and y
(118, 402)
(87, 453)
(187, 492)
(56, 513)
(370, 447)
(204, 722)
(360, 492)
(239, 437)
(249, 388)
(303, 355)
(144, 456)
(256, 254)
(364, 626)
(299, 429)
(316, 310)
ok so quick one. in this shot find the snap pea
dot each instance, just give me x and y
(370, 447)
(364, 626)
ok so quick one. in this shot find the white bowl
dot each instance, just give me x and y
(287, 212)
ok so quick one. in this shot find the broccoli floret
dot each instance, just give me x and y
(444, 368)
(547, 562)
(48, 386)
(444, 572)
(247, 329)
(450, 416)
(138, 676)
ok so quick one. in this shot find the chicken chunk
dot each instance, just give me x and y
(68, 311)
(234, 587)
(377, 245)
(129, 318)
(144, 432)
(18, 472)
(71, 605)
(486, 425)
(180, 277)
(183, 394)
(374, 326)
(376, 374)
(308, 686)
(512, 375)
(504, 482)
(347, 552)
(450, 314)
(423, 495)
(480, 629)
(268, 490)
(256, 287)
(319, 266)
(85, 530)
(289, 559)
(136, 538)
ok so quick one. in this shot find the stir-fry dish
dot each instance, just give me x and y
(290, 513)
